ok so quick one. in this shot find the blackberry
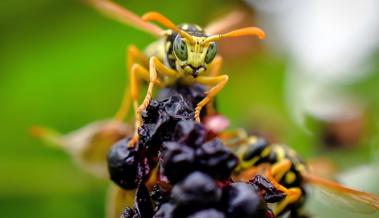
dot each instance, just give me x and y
(176, 161)
(192, 94)
(123, 164)
(242, 201)
(160, 121)
(194, 175)
(208, 213)
(197, 190)
(214, 159)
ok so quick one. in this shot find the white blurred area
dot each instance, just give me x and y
(329, 43)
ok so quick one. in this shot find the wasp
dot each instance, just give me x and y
(289, 173)
(184, 54)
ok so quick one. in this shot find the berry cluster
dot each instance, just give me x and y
(194, 168)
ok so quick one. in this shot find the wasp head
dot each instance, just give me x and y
(193, 49)
(193, 54)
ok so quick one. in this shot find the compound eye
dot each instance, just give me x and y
(211, 53)
(180, 48)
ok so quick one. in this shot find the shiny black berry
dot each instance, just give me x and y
(208, 213)
(214, 159)
(176, 161)
(242, 201)
(197, 190)
(123, 164)
(190, 132)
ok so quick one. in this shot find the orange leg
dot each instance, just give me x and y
(133, 56)
(136, 70)
(155, 66)
(217, 82)
(293, 194)
(214, 71)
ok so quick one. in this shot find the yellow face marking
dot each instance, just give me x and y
(196, 55)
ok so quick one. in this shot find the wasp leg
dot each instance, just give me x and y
(275, 174)
(233, 138)
(134, 55)
(214, 71)
(136, 70)
(215, 66)
(280, 168)
(155, 67)
(217, 82)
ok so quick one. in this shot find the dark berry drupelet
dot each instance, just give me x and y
(177, 161)
(214, 159)
(190, 132)
(196, 191)
(242, 201)
(123, 164)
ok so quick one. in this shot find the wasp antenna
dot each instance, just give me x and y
(155, 16)
(248, 31)
(123, 15)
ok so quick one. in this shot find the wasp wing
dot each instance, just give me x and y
(125, 16)
(226, 23)
(351, 199)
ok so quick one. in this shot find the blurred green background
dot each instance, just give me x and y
(62, 65)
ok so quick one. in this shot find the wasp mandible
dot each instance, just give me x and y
(183, 54)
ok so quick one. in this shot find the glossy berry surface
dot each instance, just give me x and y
(214, 159)
(196, 190)
(123, 164)
(242, 201)
(177, 161)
